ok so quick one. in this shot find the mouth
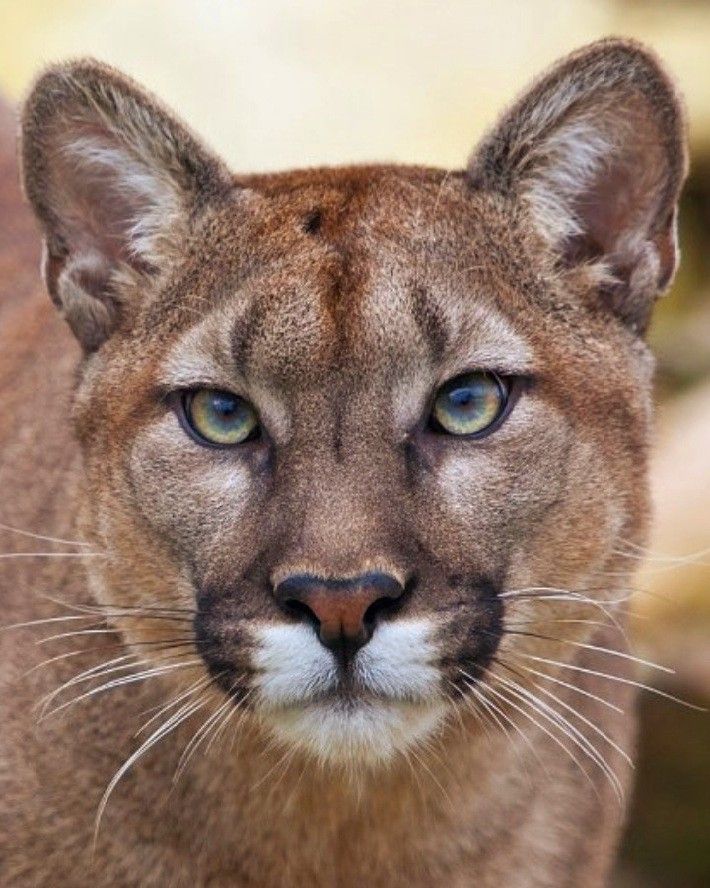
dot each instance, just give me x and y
(387, 694)
(382, 699)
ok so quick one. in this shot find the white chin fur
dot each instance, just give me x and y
(395, 671)
(360, 732)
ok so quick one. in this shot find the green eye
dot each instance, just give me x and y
(220, 418)
(469, 404)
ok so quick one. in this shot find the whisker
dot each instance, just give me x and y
(427, 770)
(39, 536)
(670, 560)
(620, 679)
(53, 555)
(575, 712)
(511, 722)
(572, 687)
(119, 682)
(473, 707)
(555, 739)
(80, 632)
(198, 685)
(30, 623)
(160, 645)
(543, 593)
(198, 736)
(100, 609)
(566, 727)
(118, 664)
(598, 649)
(172, 723)
(230, 715)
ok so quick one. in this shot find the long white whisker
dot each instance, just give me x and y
(39, 536)
(74, 634)
(173, 722)
(550, 593)
(617, 678)
(588, 722)
(229, 716)
(127, 661)
(30, 623)
(198, 736)
(53, 555)
(199, 685)
(602, 650)
(567, 728)
(572, 687)
(119, 682)
(555, 739)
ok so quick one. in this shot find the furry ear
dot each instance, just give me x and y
(115, 181)
(596, 151)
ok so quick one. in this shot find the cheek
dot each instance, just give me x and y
(484, 503)
(188, 493)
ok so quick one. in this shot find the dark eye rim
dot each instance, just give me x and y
(180, 401)
(509, 386)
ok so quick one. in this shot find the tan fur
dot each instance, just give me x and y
(336, 301)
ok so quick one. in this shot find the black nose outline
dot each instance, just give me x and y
(344, 611)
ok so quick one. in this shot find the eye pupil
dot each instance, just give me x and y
(469, 404)
(462, 397)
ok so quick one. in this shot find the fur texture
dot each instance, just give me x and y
(483, 733)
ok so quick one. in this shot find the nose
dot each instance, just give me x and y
(344, 611)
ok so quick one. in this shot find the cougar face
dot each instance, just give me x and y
(348, 432)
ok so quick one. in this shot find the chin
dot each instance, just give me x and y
(354, 733)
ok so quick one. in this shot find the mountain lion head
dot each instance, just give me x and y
(357, 440)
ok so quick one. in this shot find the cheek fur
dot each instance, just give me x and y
(186, 490)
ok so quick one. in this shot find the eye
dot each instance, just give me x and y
(469, 404)
(219, 418)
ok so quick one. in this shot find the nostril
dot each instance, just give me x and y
(387, 606)
(300, 611)
(377, 611)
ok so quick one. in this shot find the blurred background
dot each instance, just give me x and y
(273, 84)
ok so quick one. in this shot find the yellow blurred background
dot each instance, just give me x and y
(276, 84)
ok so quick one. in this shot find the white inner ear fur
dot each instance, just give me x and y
(598, 174)
(573, 157)
(114, 199)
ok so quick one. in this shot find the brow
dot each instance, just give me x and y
(204, 355)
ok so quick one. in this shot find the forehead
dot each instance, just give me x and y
(365, 271)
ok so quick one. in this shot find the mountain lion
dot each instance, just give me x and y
(316, 534)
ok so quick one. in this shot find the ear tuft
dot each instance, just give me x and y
(596, 151)
(116, 182)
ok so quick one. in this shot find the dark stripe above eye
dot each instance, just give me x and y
(430, 320)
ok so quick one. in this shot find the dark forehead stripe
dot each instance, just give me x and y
(312, 251)
(430, 320)
(321, 234)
